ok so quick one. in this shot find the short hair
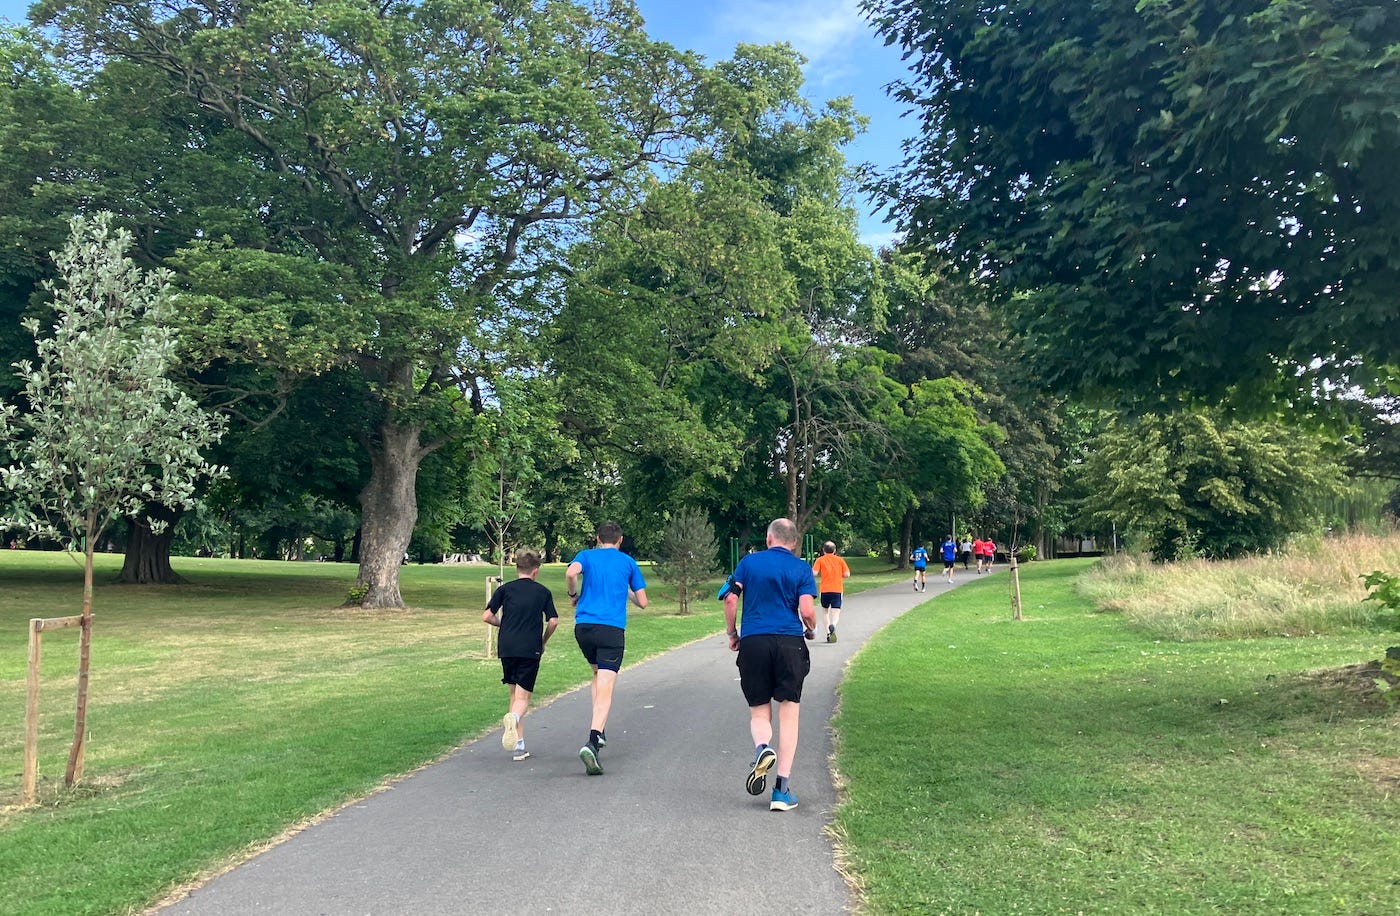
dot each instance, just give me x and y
(829, 547)
(609, 533)
(527, 560)
(783, 531)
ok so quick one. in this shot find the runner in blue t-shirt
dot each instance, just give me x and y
(920, 557)
(610, 577)
(778, 591)
(950, 556)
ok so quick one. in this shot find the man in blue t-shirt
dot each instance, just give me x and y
(920, 557)
(780, 612)
(950, 556)
(610, 577)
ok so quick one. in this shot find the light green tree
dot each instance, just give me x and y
(1191, 484)
(106, 432)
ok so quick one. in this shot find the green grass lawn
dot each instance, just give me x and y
(1069, 764)
(1064, 763)
(245, 701)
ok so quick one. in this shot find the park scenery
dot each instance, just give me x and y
(314, 315)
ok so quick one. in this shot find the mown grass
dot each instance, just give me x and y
(245, 701)
(1071, 763)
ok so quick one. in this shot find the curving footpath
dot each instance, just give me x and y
(667, 829)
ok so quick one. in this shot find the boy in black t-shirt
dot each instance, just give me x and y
(524, 610)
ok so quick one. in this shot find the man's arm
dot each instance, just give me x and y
(571, 580)
(807, 610)
(550, 626)
(639, 598)
(731, 619)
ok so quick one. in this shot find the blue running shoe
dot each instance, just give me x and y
(589, 755)
(758, 773)
(783, 800)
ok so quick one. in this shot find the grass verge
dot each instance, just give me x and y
(1068, 763)
(228, 709)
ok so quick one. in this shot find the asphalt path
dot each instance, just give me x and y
(668, 828)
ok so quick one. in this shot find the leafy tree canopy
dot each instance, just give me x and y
(1189, 196)
(1190, 483)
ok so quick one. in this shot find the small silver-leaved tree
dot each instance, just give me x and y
(688, 554)
(104, 433)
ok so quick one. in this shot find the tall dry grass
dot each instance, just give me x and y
(1313, 587)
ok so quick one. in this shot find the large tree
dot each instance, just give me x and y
(1174, 195)
(436, 151)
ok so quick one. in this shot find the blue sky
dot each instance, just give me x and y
(845, 58)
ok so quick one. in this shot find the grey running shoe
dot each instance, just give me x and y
(758, 773)
(511, 736)
(521, 754)
(589, 755)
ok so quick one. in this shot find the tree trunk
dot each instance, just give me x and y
(389, 504)
(551, 543)
(906, 537)
(147, 559)
(76, 753)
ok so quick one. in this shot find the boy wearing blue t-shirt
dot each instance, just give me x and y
(610, 578)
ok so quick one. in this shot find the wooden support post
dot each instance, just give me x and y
(37, 626)
(1015, 589)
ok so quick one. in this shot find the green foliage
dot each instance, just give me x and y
(687, 555)
(1385, 591)
(1184, 196)
(106, 433)
(1189, 485)
(1090, 781)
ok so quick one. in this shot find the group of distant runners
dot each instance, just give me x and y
(984, 550)
(778, 591)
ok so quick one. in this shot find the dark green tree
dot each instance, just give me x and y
(1173, 196)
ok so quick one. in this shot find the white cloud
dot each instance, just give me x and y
(826, 32)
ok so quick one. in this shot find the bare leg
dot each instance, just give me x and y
(787, 736)
(519, 703)
(602, 691)
(761, 724)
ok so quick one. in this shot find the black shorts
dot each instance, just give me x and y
(602, 645)
(831, 599)
(948, 564)
(772, 667)
(520, 671)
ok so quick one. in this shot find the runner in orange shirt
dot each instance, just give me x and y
(831, 571)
